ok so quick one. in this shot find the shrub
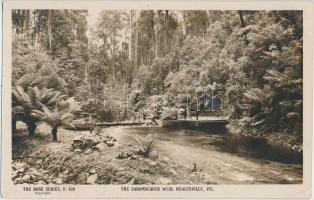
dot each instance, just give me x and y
(54, 118)
(145, 145)
(170, 114)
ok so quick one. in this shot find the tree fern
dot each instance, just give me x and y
(55, 119)
(24, 101)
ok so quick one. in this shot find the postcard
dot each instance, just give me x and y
(157, 99)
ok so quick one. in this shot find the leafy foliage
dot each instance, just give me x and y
(169, 114)
(34, 97)
(55, 118)
(251, 59)
(145, 145)
(24, 102)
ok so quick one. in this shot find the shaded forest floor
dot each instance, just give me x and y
(37, 160)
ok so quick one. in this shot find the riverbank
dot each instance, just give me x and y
(227, 158)
(179, 157)
(290, 141)
(39, 161)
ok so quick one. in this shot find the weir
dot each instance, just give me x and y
(207, 123)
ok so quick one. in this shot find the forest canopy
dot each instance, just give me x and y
(252, 59)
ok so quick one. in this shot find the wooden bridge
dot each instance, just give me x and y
(201, 123)
(105, 124)
(88, 126)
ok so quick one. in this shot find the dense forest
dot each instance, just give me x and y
(251, 59)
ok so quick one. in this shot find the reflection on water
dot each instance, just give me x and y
(223, 141)
(256, 148)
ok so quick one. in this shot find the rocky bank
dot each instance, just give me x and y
(81, 158)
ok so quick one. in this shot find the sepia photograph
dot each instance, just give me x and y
(156, 97)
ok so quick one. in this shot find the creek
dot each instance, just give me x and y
(229, 158)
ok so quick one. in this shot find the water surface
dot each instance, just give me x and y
(228, 158)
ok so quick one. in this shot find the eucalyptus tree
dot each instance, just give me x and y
(109, 30)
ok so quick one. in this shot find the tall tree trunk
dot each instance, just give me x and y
(26, 23)
(183, 25)
(153, 34)
(20, 28)
(113, 66)
(49, 29)
(130, 63)
(210, 14)
(130, 37)
(87, 66)
(166, 31)
(142, 49)
(157, 34)
(54, 134)
(136, 41)
(33, 31)
(241, 18)
(243, 25)
(148, 55)
(22, 21)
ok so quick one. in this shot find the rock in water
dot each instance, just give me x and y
(92, 179)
